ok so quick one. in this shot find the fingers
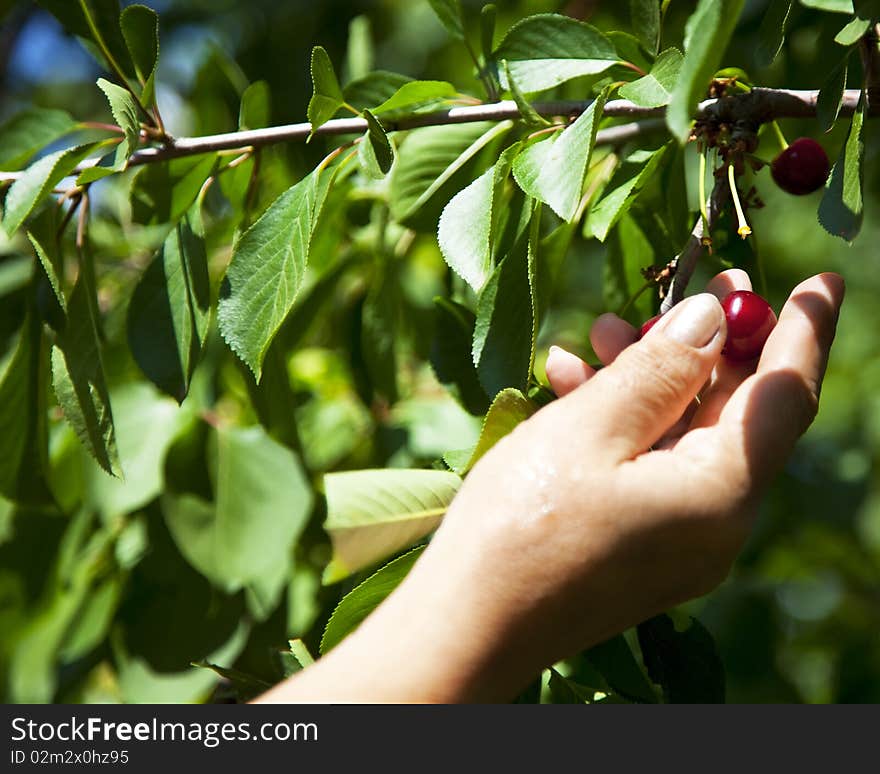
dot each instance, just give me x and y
(728, 281)
(763, 419)
(566, 371)
(610, 335)
(632, 402)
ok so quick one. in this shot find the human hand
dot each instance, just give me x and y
(631, 493)
(571, 530)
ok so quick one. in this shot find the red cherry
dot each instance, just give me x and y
(648, 324)
(801, 168)
(750, 320)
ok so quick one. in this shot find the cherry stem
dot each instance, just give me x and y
(703, 211)
(779, 135)
(743, 230)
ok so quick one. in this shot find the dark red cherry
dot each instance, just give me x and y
(648, 324)
(801, 168)
(749, 322)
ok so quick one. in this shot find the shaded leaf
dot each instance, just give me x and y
(614, 660)
(509, 409)
(645, 16)
(503, 346)
(531, 116)
(685, 664)
(267, 268)
(553, 170)
(628, 251)
(707, 34)
(831, 95)
(835, 6)
(449, 13)
(771, 34)
(78, 374)
(842, 209)
(637, 170)
(246, 686)
(26, 132)
(23, 434)
(169, 310)
(372, 514)
(655, 89)
(545, 50)
(379, 329)
(162, 193)
(366, 597)
(43, 235)
(374, 151)
(255, 110)
(451, 354)
(853, 31)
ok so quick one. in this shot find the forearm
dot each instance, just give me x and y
(436, 639)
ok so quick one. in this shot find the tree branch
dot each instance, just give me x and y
(757, 106)
(685, 262)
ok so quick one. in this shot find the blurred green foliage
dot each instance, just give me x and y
(97, 603)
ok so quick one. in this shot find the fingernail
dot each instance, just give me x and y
(553, 348)
(695, 321)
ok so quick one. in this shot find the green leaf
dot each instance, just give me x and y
(553, 170)
(327, 97)
(145, 423)
(451, 354)
(565, 691)
(37, 182)
(509, 408)
(707, 34)
(374, 152)
(78, 374)
(246, 686)
(43, 235)
(140, 28)
(488, 14)
(628, 251)
(245, 538)
(162, 193)
(546, 50)
(359, 55)
(853, 31)
(379, 329)
(366, 597)
(372, 514)
(26, 132)
(614, 660)
(842, 208)
(169, 310)
(636, 171)
(465, 232)
(449, 13)
(255, 110)
(530, 116)
(416, 94)
(96, 23)
(685, 664)
(646, 22)
(631, 50)
(831, 95)
(771, 34)
(503, 345)
(835, 6)
(374, 88)
(435, 164)
(125, 113)
(267, 268)
(655, 89)
(23, 434)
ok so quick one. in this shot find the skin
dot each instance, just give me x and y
(630, 494)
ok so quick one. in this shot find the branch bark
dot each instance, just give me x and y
(757, 106)
(685, 262)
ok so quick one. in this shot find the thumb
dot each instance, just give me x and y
(634, 401)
